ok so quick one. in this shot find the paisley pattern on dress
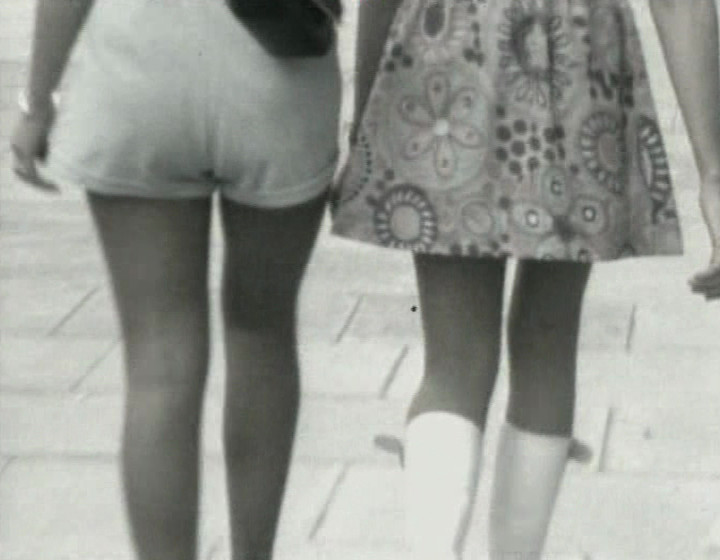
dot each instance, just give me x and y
(521, 128)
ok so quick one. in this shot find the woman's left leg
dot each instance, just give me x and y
(266, 254)
(535, 440)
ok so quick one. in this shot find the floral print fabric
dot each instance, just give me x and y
(518, 128)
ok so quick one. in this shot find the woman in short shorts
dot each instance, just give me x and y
(164, 105)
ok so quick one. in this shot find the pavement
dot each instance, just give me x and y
(649, 382)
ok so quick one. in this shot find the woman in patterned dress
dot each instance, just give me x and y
(488, 129)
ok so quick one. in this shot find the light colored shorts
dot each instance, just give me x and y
(174, 99)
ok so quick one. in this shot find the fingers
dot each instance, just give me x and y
(707, 282)
(25, 169)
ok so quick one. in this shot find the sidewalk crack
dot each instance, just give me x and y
(350, 318)
(393, 373)
(332, 495)
(78, 382)
(6, 462)
(73, 311)
(609, 423)
(630, 337)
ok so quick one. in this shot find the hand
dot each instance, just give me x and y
(707, 282)
(29, 145)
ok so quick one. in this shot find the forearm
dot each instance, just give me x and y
(688, 33)
(57, 26)
(375, 20)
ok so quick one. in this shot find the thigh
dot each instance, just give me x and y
(543, 334)
(547, 297)
(266, 253)
(461, 303)
(157, 254)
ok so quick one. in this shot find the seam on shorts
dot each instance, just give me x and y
(60, 171)
(282, 197)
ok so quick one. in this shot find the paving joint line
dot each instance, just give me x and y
(393, 373)
(350, 318)
(64, 320)
(332, 495)
(632, 322)
(609, 422)
(9, 460)
(93, 366)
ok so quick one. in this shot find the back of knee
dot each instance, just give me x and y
(166, 364)
(263, 311)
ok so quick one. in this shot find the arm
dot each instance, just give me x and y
(689, 36)
(375, 20)
(57, 26)
(688, 32)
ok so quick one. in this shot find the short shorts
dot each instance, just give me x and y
(174, 99)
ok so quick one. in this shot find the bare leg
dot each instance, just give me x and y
(266, 255)
(461, 305)
(157, 253)
(535, 441)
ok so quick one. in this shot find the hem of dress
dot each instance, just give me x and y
(438, 251)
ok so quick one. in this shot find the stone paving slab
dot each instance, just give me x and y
(368, 512)
(63, 509)
(50, 364)
(75, 492)
(666, 440)
(670, 377)
(355, 268)
(694, 325)
(622, 518)
(636, 517)
(82, 513)
(35, 308)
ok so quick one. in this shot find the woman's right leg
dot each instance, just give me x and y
(461, 305)
(266, 253)
(157, 253)
(543, 328)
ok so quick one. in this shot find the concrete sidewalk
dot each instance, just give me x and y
(649, 383)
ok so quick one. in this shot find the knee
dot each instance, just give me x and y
(162, 417)
(267, 308)
(169, 363)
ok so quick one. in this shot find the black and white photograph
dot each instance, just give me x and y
(359, 280)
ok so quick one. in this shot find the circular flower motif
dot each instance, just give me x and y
(534, 53)
(405, 219)
(443, 30)
(440, 123)
(603, 150)
(564, 223)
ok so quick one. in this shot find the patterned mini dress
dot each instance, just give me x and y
(522, 128)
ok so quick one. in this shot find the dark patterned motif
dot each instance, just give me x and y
(511, 127)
